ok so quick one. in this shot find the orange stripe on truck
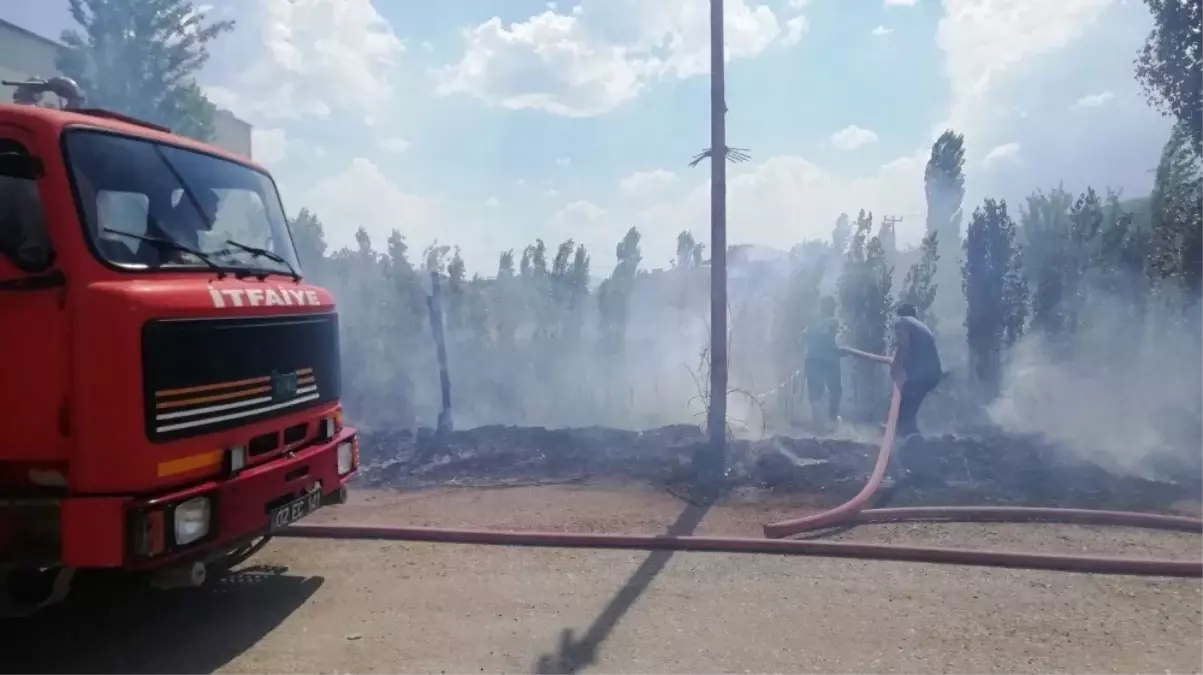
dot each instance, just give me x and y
(200, 389)
(182, 402)
(202, 460)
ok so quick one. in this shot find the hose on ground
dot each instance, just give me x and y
(853, 511)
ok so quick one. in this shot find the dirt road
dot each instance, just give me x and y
(315, 606)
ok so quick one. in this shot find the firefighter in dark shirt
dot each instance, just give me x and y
(915, 369)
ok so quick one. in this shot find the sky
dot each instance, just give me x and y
(486, 124)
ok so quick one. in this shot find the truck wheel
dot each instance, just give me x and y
(29, 589)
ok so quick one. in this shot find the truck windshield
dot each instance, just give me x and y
(149, 206)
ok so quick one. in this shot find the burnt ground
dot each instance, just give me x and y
(996, 470)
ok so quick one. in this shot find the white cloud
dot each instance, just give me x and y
(361, 195)
(602, 54)
(1007, 152)
(492, 202)
(787, 199)
(592, 57)
(1094, 100)
(881, 31)
(292, 59)
(280, 150)
(852, 137)
(269, 146)
(395, 145)
(795, 28)
(982, 39)
(577, 215)
(644, 184)
(797, 4)
(900, 3)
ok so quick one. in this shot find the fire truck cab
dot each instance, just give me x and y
(169, 383)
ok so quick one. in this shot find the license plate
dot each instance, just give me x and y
(283, 516)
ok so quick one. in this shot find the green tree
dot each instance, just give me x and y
(840, 234)
(508, 311)
(865, 300)
(578, 291)
(456, 296)
(378, 338)
(1168, 67)
(1045, 229)
(888, 237)
(944, 184)
(141, 58)
(310, 241)
(1120, 272)
(536, 290)
(1177, 214)
(851, 281)
(1086, 220)
(919, 286)
(995, 290)
(1062, 237)
(1121, 260)
(796, 308)
(505, 265)
(563, 293)
(689, 251)
(614, 294)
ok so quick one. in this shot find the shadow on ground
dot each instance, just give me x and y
(574, 653)
(107, 630)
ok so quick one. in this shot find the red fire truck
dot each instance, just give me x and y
(169, 383)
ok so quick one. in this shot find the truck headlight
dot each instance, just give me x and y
(346, 458)
(191, 520)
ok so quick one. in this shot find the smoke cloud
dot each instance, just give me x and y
(1127, 394)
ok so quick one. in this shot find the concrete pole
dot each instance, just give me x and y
(717, 420)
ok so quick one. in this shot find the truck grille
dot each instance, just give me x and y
(207, 375)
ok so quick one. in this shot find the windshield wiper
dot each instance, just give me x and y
(257, 252)
(163, 242)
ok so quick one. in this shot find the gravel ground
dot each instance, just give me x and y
(325, 606)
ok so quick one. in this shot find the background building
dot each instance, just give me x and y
(231, 132)
(25, 54)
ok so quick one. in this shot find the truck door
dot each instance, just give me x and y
(34, 361)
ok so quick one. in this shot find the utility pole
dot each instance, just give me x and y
(717, 420)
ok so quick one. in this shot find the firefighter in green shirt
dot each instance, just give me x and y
(823, 364)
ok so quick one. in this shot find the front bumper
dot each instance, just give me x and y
(141, 534)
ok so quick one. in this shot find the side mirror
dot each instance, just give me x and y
(20, 166)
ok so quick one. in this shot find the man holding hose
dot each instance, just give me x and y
(915, 367)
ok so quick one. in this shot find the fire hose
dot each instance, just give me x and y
(852, 512)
